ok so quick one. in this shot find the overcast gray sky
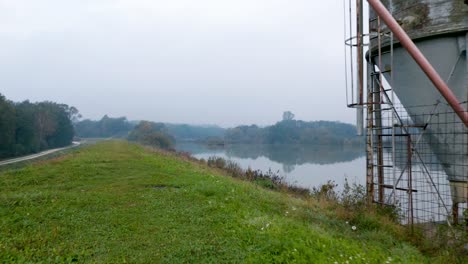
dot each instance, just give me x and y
(225, 62)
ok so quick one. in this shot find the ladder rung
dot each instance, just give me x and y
(377, 73)
(415, 126)
(385, 90)
(384, 166)
(398, 188)
(382, 109)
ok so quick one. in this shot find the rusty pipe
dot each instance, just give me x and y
(420, 59)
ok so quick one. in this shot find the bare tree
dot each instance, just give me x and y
(288, 115)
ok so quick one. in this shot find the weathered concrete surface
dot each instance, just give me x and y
(425, 18)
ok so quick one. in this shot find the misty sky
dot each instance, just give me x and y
(225, 62)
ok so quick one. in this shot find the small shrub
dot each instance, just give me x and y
(266, 183)
(353, 197)
(234, 169)
(216, 162)
(325, 191)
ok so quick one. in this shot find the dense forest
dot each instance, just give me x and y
(106, 127)
(31, 127)
(289, 131)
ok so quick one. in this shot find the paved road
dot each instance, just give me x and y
(37, 155)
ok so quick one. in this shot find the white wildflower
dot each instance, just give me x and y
(353, 228)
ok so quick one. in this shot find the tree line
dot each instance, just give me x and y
(287, 131)
(106, 127)
(120, 127)
(27, 127)
(290, 131)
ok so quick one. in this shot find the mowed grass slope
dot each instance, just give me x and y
(118, 202)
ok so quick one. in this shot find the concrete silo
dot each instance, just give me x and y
(439, 30)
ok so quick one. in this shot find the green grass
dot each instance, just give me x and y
(117, 202)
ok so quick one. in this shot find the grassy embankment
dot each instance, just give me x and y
(117, 202)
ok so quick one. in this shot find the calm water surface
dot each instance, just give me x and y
(305, 166)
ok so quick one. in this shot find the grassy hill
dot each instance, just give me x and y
(118, 202)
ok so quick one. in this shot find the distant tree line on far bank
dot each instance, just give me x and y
(144, 132)
(106, 127)
(290, 131)
(120, 127)
(27, 127)
(287, 131)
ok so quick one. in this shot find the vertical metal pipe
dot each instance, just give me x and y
(393, 116)
(360, 61)
(377, 115)
(360, 47)
(369, 141)
(380, 159)
(455, 213)
(410, 181)
(351, 50)
(378, 100)
(420, 59)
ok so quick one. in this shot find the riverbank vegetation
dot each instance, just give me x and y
(27, 127)
(120, 202)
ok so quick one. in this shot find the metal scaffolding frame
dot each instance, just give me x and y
(403, 166)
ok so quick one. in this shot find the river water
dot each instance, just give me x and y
(305, 166)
